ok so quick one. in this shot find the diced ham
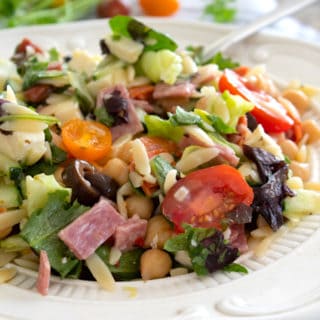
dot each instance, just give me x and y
(238, 237)
(134, 125)
(129, 232)
(144, 105)
(85, 234)
(242, 134)
(180, 90)
(43, 280)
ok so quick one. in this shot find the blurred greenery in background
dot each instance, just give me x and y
(27, 12)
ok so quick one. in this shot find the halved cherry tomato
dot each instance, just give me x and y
(159, 7)
(204, 197)
(22, 46)
(86, 140)
(268, 111)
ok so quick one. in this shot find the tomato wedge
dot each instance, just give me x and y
(268, 111)
(86, 140)
(204, 197)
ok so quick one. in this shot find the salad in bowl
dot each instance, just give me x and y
(146, 161)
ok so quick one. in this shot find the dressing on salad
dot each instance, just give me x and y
(145, 161)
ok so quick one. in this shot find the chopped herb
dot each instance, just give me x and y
(54, 54)
(103, 116)
(222, 62)
(160, 169)
(220, 10)
(207, 249)
(235, 267)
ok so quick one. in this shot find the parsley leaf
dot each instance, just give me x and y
(223, 62)
(221, 11)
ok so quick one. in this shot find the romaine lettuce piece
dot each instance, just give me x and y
(41, 231)
(163, 128)
(305, 202)
(38, 189)
(237, 107)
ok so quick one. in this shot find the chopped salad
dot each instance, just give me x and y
(146, 161)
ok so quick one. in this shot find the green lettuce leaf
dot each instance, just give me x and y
(128, 266)
(136, 30)
(237, 107)
(41, 231)
(162, 128)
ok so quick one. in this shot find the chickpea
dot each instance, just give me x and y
(298, 98)
(155, 264)
(123, 151)
(117, 169)
(158, 232)
(5, 232)
(300, 169)
(140, 205)
(312, 129)
(289, 148)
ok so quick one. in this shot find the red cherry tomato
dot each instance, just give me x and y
(22, 46)
(108, 9)
(268, 111)
(204, 197)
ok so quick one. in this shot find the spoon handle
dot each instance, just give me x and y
(243, 32)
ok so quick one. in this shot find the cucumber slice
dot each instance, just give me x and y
(305, 202)
(9, 196)
(6, 164)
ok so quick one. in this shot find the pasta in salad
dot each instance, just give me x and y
(146, 161)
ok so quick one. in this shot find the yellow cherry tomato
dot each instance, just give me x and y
(86, 140)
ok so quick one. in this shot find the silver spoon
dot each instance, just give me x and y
(242, 32)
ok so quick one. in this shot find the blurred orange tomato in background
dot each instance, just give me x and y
(159, 8)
